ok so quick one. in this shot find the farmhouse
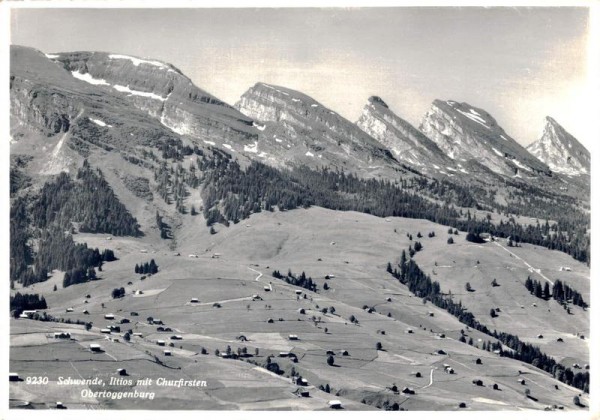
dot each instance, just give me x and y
(192, 256)
(335, 404)
(565, 268)
(194, 300)
(304, 393)
(69, 310)
(109, 316)
(167, 352)
(267, 288)
(13, 377)
(292, 337)
(298, 292)
(122, 372)
(486, 236)
(60, 405)
(95, 347)
(86, 312)
(284, 354)
(160, 342)
(105, 330)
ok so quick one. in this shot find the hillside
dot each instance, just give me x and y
(236, 264)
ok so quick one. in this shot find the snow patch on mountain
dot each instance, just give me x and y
(86, 77)
(99, 122)
(126, 89)
(497, 151)
(474, 117)
(519, 164)
(137, 61)
(251, 149)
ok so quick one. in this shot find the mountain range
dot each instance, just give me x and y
(279, 126)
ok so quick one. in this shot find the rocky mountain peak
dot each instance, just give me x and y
(406, 143)
(297, 129)
(466, 132)
(377, 100)
(562, 152)
(159, 89)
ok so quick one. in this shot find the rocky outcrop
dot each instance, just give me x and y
(35, 104)
(407, 144)
(464, 132)
(296, 129)
(560, 150)
(162, 91)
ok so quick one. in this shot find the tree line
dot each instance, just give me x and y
(26, 302)
(232, 194)
(561, 292)
(301, 281)
(88, 200)
(146, 268)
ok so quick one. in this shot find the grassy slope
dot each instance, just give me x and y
(362, 246)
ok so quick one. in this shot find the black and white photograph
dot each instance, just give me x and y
(266, 208)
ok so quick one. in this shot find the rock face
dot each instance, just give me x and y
(296, 129)
(162, 91)
(73, 117)
(560, 150)
(407, 144)
(37, 101)
(465, 132)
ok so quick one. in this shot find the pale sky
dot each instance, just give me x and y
(519, 64)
